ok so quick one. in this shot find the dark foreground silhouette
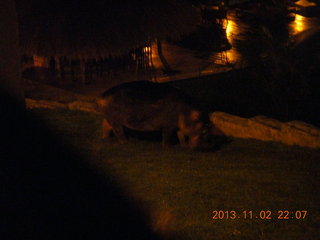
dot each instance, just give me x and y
(48, 191)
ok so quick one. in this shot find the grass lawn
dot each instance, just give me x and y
(180, 189)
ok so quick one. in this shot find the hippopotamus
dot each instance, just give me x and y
(148, 106)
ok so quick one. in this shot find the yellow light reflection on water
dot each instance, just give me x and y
(231, 28)
(231, 55)
(155, 56)
(305, 3)
(299, 24)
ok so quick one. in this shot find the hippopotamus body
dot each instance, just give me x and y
(147, 106)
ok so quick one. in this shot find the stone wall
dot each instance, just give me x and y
(259, 127)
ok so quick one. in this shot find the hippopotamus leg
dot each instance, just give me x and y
(118, 131)
(182, 138)
(106, 129)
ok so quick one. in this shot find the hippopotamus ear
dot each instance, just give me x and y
(103, 103)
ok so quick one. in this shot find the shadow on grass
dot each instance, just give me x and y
(216, 143)
(49, 192)
(212, 143)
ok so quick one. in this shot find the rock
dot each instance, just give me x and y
(31, 103)
(230, 125)
(83, 106)
(301, 134)
(266, 129)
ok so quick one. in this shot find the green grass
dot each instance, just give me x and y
(180, 188)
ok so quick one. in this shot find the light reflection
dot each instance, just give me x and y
(155, 57)
(299, 24)
(148, 54)
(230, 56)
(231, 28)
(235, 30)
(147, 49)
(305, 3)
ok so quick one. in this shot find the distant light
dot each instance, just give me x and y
(305, 3)
(148, 53)
(146, 49)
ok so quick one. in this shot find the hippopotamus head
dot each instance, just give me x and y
(194, 128)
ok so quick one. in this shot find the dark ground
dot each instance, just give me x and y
(48, 191)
